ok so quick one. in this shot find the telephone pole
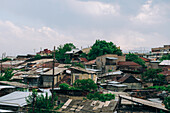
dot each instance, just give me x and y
(53, 75)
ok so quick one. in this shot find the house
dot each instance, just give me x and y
(74, 55)
(154, 64)
(88, 106)
(15, 84)
(166, 73)
(15, 101)
(147, 61)
(131, 82)
(158, 52)
(108, 62)
(164, 63)
(81, 73)
(110, 76)
(4, 89)
(136, 105)
(129, 66)
(32, 80)
(45, 52)
(91, 64)
(116, 86)
(46, 78)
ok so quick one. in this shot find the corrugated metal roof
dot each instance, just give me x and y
(5, 87)
(119, 85)
(6, 111)
(16, 84)
(113, 82)
(112, 58)
(165, 62)
(82, 69)
(56, 71)
(16, 99)
(144, 102)
(72, 51)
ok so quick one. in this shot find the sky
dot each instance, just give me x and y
(27, 26)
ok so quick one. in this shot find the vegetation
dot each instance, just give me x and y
(78, 65)
(5, 59)
(7, 75)
(135, 58)
(101, 47)
(160, 88)
(41, 103)
(167, 103)
(101, 97)
(37, 57)
(165, 57)
(64, 86)
(85, 84)
(153, 76)
(61, 50)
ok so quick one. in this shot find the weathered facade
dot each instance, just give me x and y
(108, 62)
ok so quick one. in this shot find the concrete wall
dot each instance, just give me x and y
(101, 62)
(84, 76)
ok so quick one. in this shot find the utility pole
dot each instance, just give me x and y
(53, 75)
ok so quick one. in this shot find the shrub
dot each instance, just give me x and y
(101, 97)
(85, 84)
(64, 86)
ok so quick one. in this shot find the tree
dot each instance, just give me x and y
(7, 75)
(135, 58)
(101, 97)
(167, 102)
(85, 84)
(64, 86)
(37, 57)
(165, 57)
(152, 75)
(61, 50)
(101, 47)
(40, 103)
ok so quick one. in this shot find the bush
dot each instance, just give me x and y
(85, 84)
(160, 88)
(37, 57)
(64, 86)
(101, 97)
(167, 103)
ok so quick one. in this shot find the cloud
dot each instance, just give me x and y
(22, 39)
(130, 40)
(94, 8)
(151, 13)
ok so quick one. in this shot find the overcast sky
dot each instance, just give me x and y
(28, 25)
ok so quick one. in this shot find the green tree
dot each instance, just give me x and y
(37, 57)
(85, 84)
(7, 75)
(167, 103)
(165, 57)
(101, 97)
(152, 75)
(101, 47)
(78, 65)
(64, 86)
(135, 58)
(42, 103)
(5, 59)
(61, 50)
